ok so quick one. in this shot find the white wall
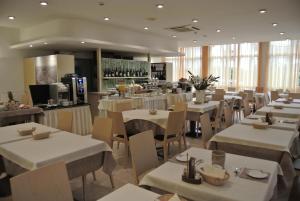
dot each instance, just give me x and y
(11, 63)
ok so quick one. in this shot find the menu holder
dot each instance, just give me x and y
(189, 175)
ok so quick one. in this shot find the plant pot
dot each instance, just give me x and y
(200, 96)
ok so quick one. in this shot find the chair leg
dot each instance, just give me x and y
(111, 181)
(166, 147)
(94, 176)
(184, 141)
(179, 144)
(83, 187)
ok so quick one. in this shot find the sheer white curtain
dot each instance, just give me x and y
(236, 64)
(248, 66)
(223, 62)
(284, 65)
(191, 61)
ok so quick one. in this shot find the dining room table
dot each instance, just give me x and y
(130, 192)
(279, 112)
(280, 100)
(278, 122)
(270, 144)
(168, 177)
(284, 105)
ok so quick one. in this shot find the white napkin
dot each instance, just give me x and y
(214, 171)
(175, 198)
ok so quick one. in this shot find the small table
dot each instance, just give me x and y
(130, 192)
(285, 105)
(167, 177)
(284, 112)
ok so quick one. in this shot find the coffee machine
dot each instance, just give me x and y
(78, 88)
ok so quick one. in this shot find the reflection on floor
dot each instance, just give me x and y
(122, 175)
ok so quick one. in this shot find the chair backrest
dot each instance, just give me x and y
(250, 94)
(180, 106)
(220, 91)
(143, 153)
(176, 121)
(228, 114)
(206, 128)
(102, 130)
(44, 184)
(118, 126)
(267, 98)
(65, 120)
(274, 95)
(259, 101)
(279, 90)
(123, 106)
(294, 95)
(231, 89)
(259, 89)
(217, 97)
(220, 109)
(243, 95)
(247, 110)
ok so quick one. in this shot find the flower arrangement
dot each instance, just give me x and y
(202, 83)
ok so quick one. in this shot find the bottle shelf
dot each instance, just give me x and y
(110, 78)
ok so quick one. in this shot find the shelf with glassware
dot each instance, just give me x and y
(162, 71)
(115, 71)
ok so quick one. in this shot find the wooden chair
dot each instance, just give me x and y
(217, 117)
(259, 89)
(247, 109)
(206, 129)
(65, 120)
(274, 95)
(123, 106)
(279, 90)
(182, 106)
(44, 184)
(118, 129)
(228, 114)
(294, 95)
(220, 91)
(172, 133)
(250, 95)
(143, 153)
(295, 191)
(231, 88)
(217, 97)
(259, 102)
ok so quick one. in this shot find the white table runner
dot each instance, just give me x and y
(130, 192)
(10, 133)
(62, 146)
(275, 139)
(168, 177)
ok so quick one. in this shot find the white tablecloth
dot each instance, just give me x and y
(290, 105)
(61, 146)
(82, 120)
(278, 124)
(284, 112)
(284, 99)
(202, 108)
(130, 192)
(161, 118)
(10, 133)
(168, 177)
(274, 139)
(226, 97)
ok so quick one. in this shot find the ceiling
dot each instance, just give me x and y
(235, 18)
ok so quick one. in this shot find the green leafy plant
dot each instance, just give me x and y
(202, 83)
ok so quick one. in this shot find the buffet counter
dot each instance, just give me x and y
(82, 121)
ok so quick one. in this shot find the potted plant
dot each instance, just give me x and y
(201, 84)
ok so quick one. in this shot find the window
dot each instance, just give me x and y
(236, 64)
(191, 61)
(284, 65)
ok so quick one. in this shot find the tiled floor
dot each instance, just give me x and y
(122, 175)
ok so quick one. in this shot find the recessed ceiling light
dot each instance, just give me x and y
(106, 18)
(146, 28)
(82, 42)
(262, 11)
(195, 20)
(233, 38)
(281, 33)
(30, 45)
(44, 3)
(174, 36)
(274, 24)
(45, 43)
(218, 30)
(194, 41)
(101, 3)
(160, 5)
(11, 17)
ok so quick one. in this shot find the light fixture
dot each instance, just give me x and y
(274, 24)
(218, 30)
(146, 28)
(30, 45)
(194, 41)
(44, 3)
(45, 43)
(106, 18)
(195, 20)
(82, 42)
(233, 38)
(159, 5)
(281, 33)
(11, 17)
(262, 11)
(174, 36)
